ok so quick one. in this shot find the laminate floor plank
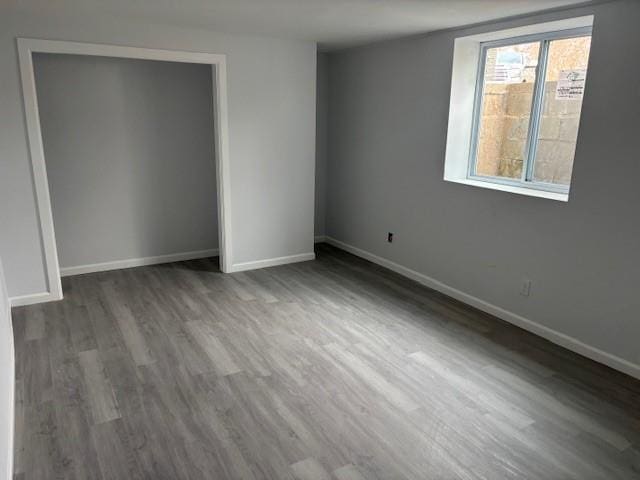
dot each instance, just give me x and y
(332, 369)
(128, 324)
(104, 407)
(309, 469)
(35, 325)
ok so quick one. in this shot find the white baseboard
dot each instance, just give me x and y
(320, 239)
(30, 299)
(137, 262)
(9, 374)
(554, 336)
(272, 262)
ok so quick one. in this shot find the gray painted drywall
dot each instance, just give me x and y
(7, 374)
(387, 131)
(322, 104)
(129, 146)
(271, 103)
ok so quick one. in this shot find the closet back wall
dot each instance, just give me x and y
(129, 148)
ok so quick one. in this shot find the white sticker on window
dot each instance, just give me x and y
(571, 84)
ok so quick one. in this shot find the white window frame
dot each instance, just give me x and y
(466, 103)
(527, 179)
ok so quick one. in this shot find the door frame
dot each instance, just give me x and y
(27, 47)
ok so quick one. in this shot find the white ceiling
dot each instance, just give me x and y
(332, 23)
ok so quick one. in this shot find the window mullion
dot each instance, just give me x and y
(536, 113)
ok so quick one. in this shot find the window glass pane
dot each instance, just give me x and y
(507, 95)
(562, 102)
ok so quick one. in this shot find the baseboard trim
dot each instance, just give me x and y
(553, 336)
(30, 299)
(272, 262)
(320, 239)
(137, 262)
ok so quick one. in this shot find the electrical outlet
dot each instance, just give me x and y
(525, 288)
(390, 237)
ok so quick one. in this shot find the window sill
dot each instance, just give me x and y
(560, 197)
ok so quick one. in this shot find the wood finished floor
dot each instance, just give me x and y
(332, 369)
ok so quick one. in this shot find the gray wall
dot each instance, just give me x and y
(322, 112)
(129, 147)
(7, 373)
(271, 101)
(387, 130)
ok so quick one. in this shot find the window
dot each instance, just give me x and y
(516, 101)
(528, 105)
